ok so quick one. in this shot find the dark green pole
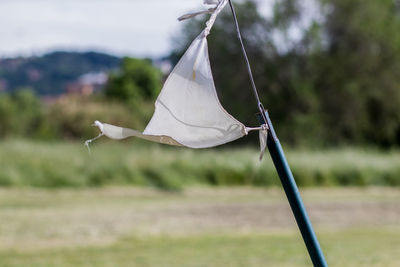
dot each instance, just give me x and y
(293, 195)
(284, 172)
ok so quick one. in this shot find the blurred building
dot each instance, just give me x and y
(88, 84)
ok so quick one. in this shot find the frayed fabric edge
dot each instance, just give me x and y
(100, 126)
(263, 135)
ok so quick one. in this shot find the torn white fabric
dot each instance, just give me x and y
(118, 133)
(188, 108)
(221, 4)
(216, 3)
(194, 14)
(187, 111)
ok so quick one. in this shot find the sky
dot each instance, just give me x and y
(121, 27)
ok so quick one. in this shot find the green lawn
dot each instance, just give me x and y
(62, 164)
(344, 248)
(200, 226)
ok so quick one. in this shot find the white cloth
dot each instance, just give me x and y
(187, 111)
(263, 136)
(218, 4)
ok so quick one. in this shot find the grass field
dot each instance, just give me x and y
(63, 164)
(199, 226)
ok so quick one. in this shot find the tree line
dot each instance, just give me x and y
(330, 77)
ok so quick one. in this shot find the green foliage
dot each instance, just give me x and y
(20, 113)
(7, 111)
(331, 78)
(72, 117)
(137, 80)
(69, 165)
(23, 114)
(358, 71)
(29, 111)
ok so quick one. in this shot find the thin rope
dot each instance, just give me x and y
(253, 84)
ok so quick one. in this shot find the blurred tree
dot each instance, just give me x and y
(136, 80)
(358, 71)
(20, 113)
(7, 111)
(328, 70)
(29, 111)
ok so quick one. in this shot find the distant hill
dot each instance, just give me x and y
(51, 73)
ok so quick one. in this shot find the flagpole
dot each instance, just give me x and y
(284, 172)
(293, 196)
